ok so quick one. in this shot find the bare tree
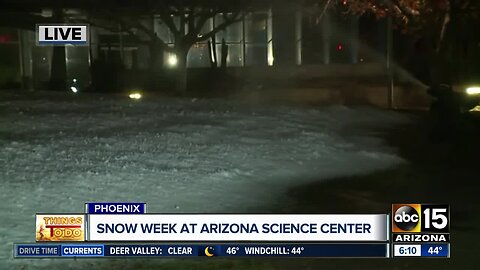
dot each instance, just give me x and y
(439, 23)
(185, 20)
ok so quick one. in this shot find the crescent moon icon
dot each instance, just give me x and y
(207, 252)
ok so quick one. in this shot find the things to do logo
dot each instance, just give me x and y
(55, 227)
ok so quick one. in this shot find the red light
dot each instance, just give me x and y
(339, 47)
(5, 38)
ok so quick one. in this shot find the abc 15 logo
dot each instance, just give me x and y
(416, 218)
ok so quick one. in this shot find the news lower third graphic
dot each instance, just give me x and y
(60, 227)
(115, 208)
(117, 229)
(62, 34)
(308, 250)
(209, 251)
(421, 230)
(416, 218)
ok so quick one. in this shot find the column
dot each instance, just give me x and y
(326, 37)
(285, 35)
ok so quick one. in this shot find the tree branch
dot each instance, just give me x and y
(327, 5)
(236, 17)
(191, 18)
(168, 20)
(446, 20)
(193, 32)
(151, 33)
(22, 20)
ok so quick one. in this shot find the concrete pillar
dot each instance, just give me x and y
(382, 37)
(326, 25)
(121, 43)
(389, 62)
(298, 36)
(270, 57)
(354, 40)
(284, 32)
(25, 58)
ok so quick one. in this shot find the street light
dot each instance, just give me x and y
(135, 95)
(172, 60)
(475, 90)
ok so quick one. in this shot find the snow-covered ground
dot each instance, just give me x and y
(175, 155)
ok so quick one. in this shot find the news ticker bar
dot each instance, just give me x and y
(421, 250)
(321, 250)
(307, 250)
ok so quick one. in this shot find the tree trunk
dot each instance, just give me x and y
(156, 56)
(224, 54)
(181, 72)
(58, 77)
(440, 66)
(155, 65)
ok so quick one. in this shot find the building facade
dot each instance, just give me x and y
(280, 36)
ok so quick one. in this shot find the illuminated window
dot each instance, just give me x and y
(199, 56)
(232, 34)
(249, 41)
(256, 54)
(234, 56)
